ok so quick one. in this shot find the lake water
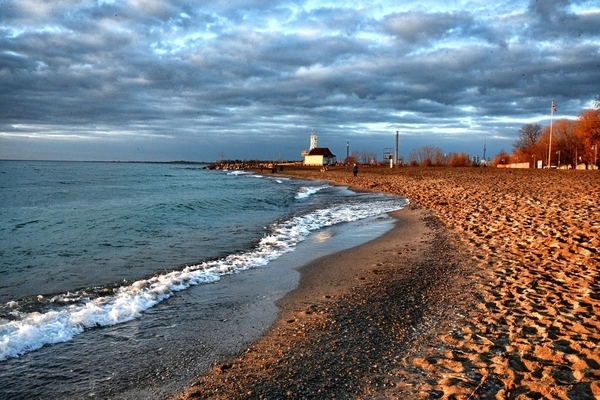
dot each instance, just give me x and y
(127, 280)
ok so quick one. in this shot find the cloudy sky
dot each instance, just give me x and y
(161, 80)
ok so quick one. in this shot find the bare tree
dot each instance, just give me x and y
(427, 156)
(370, 157)
(568, 143)
(529, 135)
(417, 156)
(364, 157)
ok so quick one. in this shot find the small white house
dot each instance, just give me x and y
(319, 156)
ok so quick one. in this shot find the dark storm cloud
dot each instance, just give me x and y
(170, 79)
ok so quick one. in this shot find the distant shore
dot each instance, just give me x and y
(487, 288)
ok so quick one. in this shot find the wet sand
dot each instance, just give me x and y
(487, 288)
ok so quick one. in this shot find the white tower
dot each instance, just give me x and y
(313, 140)
(313, 143)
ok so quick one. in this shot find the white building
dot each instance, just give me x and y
(319, 156)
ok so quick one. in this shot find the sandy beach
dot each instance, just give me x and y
(487, 288)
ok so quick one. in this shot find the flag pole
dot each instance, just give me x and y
(552, 109)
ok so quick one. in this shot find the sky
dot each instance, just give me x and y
(166, 80)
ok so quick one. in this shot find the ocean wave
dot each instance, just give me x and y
(27, 331)
(237, 172)
(307, 191)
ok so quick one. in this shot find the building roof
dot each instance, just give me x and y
(320, 151)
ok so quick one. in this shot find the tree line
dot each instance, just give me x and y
(433, 156)
(574, 142)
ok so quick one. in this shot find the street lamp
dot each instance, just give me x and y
(558, 152)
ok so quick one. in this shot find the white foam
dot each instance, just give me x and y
(307, 191)
(30, 331)
(237, 172)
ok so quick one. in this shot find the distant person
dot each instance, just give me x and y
(355, 170)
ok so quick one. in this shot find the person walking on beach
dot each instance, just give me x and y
(355, 170)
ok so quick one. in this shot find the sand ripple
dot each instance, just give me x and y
(535, 236)
(525, 326)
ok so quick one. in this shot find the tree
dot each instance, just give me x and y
(529, 135)
(527, 147)
(371, 157)
(575, 140)
(521, 156)
(588, 132)
(567, 141)
(439, 158)
(458, 160)
(427, 156)
(588, 124)
(501, 158)
(363, 157)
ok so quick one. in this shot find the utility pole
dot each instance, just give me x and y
(396, 155)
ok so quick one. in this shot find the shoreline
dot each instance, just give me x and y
(506, 277)
(333, 337)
